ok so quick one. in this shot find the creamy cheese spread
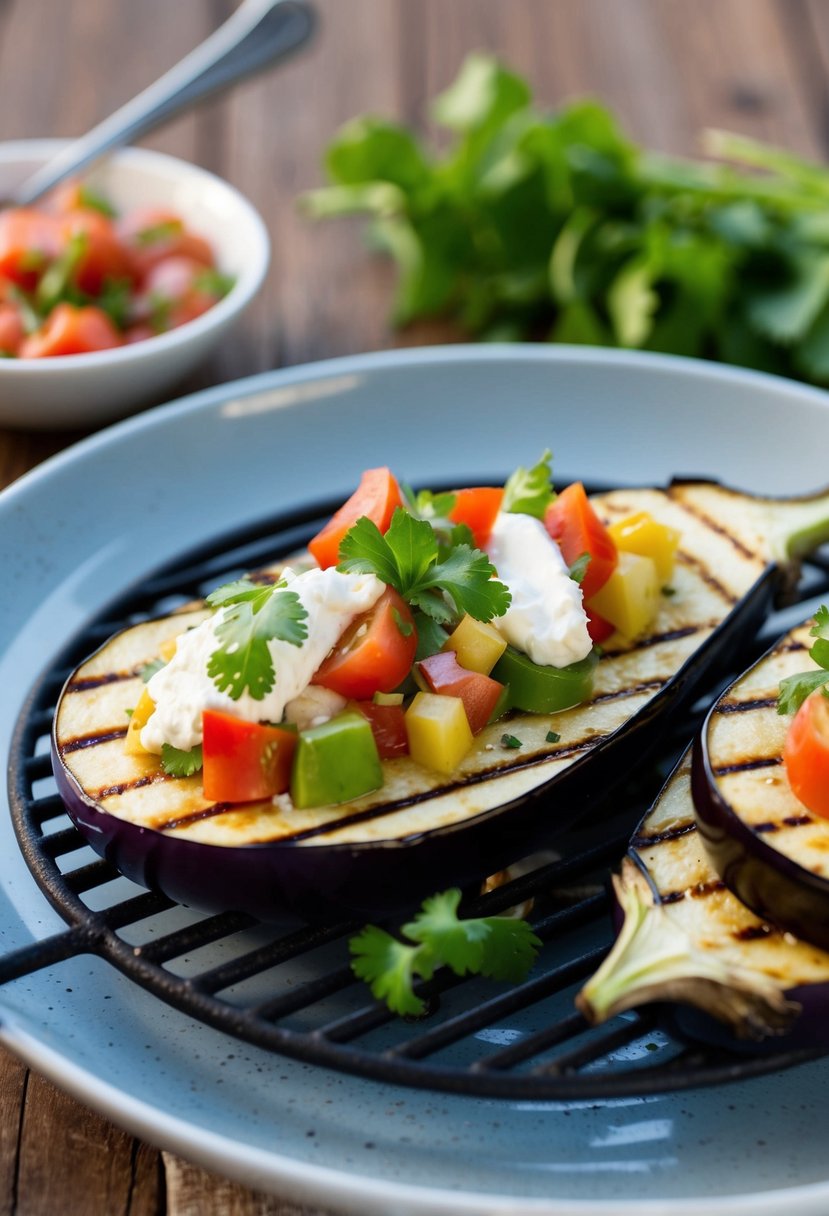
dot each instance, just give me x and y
(182, 689)
(545, 619)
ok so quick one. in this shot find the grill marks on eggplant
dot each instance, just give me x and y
(668, 849)
(745, 737)
(717, 566)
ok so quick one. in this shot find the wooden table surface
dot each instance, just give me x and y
(669, 68)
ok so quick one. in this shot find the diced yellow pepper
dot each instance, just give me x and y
(630, 597)
(477, 644)
(438, 730)
(641, 533)
(138, 720)
(167, 649)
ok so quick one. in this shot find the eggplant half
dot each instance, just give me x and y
(421, 832)
(762, 841)
(684, 937)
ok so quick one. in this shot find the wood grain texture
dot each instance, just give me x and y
(668, 68)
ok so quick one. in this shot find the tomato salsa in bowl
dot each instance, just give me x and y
(116, 285)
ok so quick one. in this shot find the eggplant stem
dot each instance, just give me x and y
(798, 526)
(654, 959)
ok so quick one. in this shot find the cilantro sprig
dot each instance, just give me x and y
(498, 947)
(529, 491)
(795, 689)
(178, 763)
(442, 581)
(253, 616)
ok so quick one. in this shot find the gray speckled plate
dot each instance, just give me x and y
(86, 524)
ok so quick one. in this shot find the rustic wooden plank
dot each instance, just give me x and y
(75, 1162)
(13, 1079)
(188, 1187)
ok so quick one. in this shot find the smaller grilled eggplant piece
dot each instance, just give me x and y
(762, 841)
(683, 937)
(382, 853)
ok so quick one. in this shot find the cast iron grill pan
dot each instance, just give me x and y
(290, 989)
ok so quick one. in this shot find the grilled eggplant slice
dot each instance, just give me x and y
(762, 841)
(683, 937)
(421, 832)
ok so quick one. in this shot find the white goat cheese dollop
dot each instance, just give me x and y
(183, 690)
(546, 619)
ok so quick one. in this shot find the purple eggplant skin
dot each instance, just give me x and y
(773, 885)
(380, 878)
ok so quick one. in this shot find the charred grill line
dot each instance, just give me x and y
(713, 525)
(90, 683)
(790, 821)
(742, 707)
(707, 577)
(116, 791)
(646, 842)
(747, 766)
(79, 742)
(700, 891)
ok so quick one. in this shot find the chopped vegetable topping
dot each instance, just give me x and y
(498, 947)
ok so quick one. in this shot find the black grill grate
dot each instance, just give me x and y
(291, 990)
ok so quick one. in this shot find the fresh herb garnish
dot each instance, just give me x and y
(510, 741)
(95, 202)
(552, 737)
(115, 300)
(498, 947)
(579, 568)
(177, 763)
(795, 689)
(528, 491)
(213, 282)
(149, 669)
(253, 616)
(155, 233)
(57, 281)
(443, 582)
(524, 224)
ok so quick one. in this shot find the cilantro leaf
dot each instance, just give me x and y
(579, 568)
(498, 947)
(410, 559)
(528, 491)
(177, 763)
(794, 690)
(253, 616)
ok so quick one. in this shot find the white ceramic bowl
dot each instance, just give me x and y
(88, 390)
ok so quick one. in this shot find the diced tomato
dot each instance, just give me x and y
(377, 496)
(444, 674)
(103, 258)
(388, 724)
(574, 525)
(11, 330)
(173, 294)
(244, 761)
(139, 332)
(69, 330)
(29, 240)
(598, 628)
(152, 234)
(477, 508)
(376, 652)
(806, 754)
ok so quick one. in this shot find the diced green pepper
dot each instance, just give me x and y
(544, 690)
(335, 762)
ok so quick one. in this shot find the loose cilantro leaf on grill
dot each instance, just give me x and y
(528, 491)
(253, 616)
(177, 763)
(498, 947)
(795, 689)
(443, 581)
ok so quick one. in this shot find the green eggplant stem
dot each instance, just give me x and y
(654, 959)
(798, 525)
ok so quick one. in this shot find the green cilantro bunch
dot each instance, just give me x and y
(795, 689)
(556, 226)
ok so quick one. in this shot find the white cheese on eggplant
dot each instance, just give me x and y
(183, 690)
(546, 619)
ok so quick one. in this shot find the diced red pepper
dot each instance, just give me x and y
(377, 496)
(574, 525)
(599, 630)
(244, 761)
(444, 674)
(388, 724)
